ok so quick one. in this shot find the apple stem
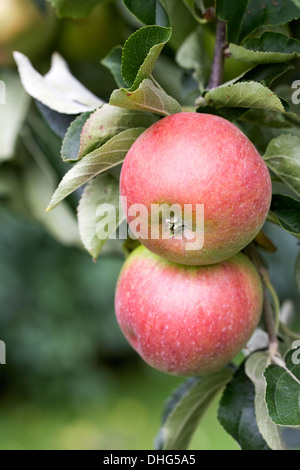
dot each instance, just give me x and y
(268, 313)
(216, 77)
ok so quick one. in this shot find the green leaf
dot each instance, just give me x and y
(267, 49)
(140, 53)
(148, 97)
(264, 117)
(185, 408)
(297, 271)
(192, 56)
(73, 8)
(108, 121)
(71, 143)
(243, 17)
(285, 211)
(104, 189)
(113, 61)
(254, 368)
(244, 95)
(283, 158)
(58, 89)
(283, 390)
(181, 19)
(150, 12)
(197, 8)
(265, 73)
(109, 155)
(231, 114)
(237, 412)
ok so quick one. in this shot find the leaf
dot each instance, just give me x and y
(243, 17)
(244, 95)
(148, 97)
(58, 89)
(237, 412)
(38, 181)
(185, 408)
(108, 121)
(197, 8)
(267, 49)
(192, 56)
(109, 155)
(283, 158)
(297, 271)
(71, 143)
(12, 113)
(283, 390)
(265, 73)
(58, 122)
(113, 61)
(231, 114)
(73, 8)
(150, 12)
(181, 20)
(104, 189)
(285, 211)
(140, 53)
(254, 368)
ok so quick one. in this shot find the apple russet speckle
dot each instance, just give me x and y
(193, 158)
(187, 320)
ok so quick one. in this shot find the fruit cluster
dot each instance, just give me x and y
(190, 311)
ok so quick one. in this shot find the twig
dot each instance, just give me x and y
(269, 319)
(216, 77)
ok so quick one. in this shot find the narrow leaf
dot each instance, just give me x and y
(283, 158)
(108, 121)
(150, 12)
(185, 408)
(71, 142)
(285, 211)
(104, 189)
(140, 53)
(58, 89)
(267, 49)
(244, 95)
(237, 412)
(109, 155)
(113, 61)
(255, 367)
(283, 390)
(148, 97)
(243, 17)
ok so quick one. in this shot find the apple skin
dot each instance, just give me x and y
(187, 320)
(193, 158)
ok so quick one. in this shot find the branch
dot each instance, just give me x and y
(268, 314)
(216, 77)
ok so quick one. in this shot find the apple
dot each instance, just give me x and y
(195, 159)
(187, 320)
(25, 28)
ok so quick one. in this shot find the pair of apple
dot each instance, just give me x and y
(187, 311)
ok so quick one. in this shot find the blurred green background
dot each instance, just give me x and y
(71, 381)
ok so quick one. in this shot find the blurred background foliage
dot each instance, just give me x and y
(71, 380)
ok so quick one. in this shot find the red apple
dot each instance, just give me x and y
(193, 158)
(187, 320)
